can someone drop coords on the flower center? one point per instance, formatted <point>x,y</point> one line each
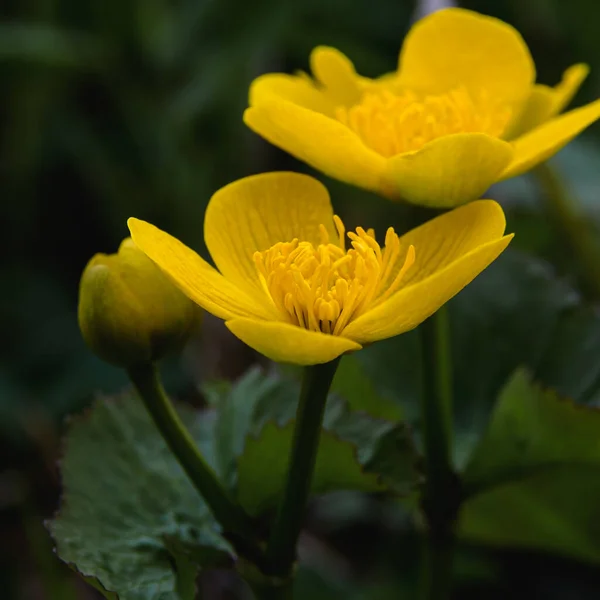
<point>323,288</point>
<point>393,124</point>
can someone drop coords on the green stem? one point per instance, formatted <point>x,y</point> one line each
<point>229,514</point>
<point>265,587</point>
<point>281,551</point>
<point>436,576</point>
<point>274,591</point>
<point>440,497</point>
<point>436,403</point>
<point>576,234</point>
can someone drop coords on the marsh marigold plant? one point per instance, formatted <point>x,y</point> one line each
<point>295,286</point>
<point>461,112</point>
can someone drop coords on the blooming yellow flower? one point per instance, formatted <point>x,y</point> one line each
<point>290,286</point>
<point>461,112</point>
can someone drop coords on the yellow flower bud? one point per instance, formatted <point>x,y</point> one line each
<point>129,312</point>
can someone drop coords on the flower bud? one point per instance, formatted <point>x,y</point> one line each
<point>129,312</point>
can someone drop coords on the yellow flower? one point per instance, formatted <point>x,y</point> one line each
<point>461,112</point>
<point>290,286</point>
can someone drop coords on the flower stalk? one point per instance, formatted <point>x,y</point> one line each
<point>436,406</point>
<point>227,512</point>
<point>436,569</point>
<point>281,550</point>
<point>440,498</point>
<point>572,227</point>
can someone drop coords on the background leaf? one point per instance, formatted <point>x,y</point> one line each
<point>128,510</point>
<point>263,466</point>
<point>254,429</point>
<point>533,430</point>
<point>553,510</point>
<point>534,479</point>
<point>352,383</point>
<point>49,46</point>
<point>515,313</point>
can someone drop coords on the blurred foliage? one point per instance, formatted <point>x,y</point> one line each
<point>111,109</point>
<point>535,460</point>
<point>126,519</point>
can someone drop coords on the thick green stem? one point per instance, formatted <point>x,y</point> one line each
<point>436,404</point>
<point>274,590</point>
<point>281,551</point>
<point>570,224</point>
<point>265,587</point>
<point>440,498</point>
<point>229,514</point>
<point>436,571</point>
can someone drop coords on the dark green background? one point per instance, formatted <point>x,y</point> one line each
<point>111,109</point>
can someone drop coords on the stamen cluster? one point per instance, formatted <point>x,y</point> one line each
<point>392,124</point>
<point>323,288</point>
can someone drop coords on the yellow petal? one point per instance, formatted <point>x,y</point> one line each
<point>293,88</point>
<point>195,277</point>
<point>571,81</point>
<point>257,212</point>
<point>547,139</point>
<point>448,171</point>
<point>336,73</point>
<point>323,143</point>
<point>412,305</point>
<point>451,250</point>
<point>442,240</point>
<point>546,102</point>
<point>538,109</point>
<point>456,47</point>
<point>283,342</point>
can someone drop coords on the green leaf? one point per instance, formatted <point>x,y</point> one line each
<point>129,516</point>
<point>242,410</point>
<point>97,586</point>
<point>570,362</point>
<point>253,433</point>
<point>531,430</point>
<point>352,383</point>
<point>501,321</point>
<point>508,316</point>
<point>357,452</point>
<point>263,466</point>
<point>393,367</point>
<point>555,510</point>
<point>383,447</point>
<point>534,479</point>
